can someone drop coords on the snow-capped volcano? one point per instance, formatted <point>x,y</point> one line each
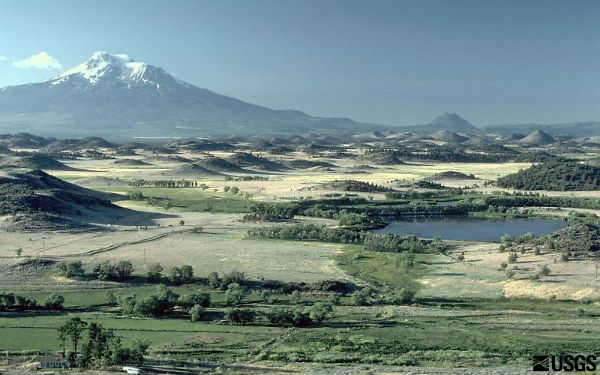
<point>113,94</point>
<point>104,67</point>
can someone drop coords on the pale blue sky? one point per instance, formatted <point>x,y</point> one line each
<point>391,62</point>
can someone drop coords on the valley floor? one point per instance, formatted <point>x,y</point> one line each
<point>468,316</point>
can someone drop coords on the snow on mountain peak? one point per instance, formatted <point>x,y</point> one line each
<point>104,65</point>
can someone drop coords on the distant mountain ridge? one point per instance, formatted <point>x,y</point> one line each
<point>577,129</point>
<point>114,95</point>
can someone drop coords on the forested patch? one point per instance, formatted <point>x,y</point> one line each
<point>554,175</point>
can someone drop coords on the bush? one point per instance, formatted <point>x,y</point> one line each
<point>266,296</point>
<point>544,271</point>
<point>234,277</point>
<point>401,297</point>
<point>362,297</point>
<point>189,300</point>
<point>512,258</point>
<point>320,311</point>
<point>295,297</point>
<point>196,313</point>
<point>299,316</point>
<point>71,269</point>
<point>181,275</point>
<point>155,271</point>
<point>213,280</point>
<point>54,302</point>
<point>124,269</point>
<point>111,298</point>
<point>234,294</point>
<point>240,315</point>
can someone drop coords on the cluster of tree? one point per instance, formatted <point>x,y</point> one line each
<point>11,302</point>
<point>167,183</point>
<point>71,269</point>
<point>367,296</point>
<point>107,271</point>
<point>161,302</point>
<point>246,178</point>
<point>554,175</point>
<point>354,185</point>
<point>351,219</point>
<point>181,275</point>
<point>272,211</point>
<point>123,270</point>
<point>100,347</point>
<point>234,277</point>
<point>231,189</point>
<point>425,184</point>
<point>300,316</point>
<point>485,153</point>
<point>240,315</point>
<point>396,243</point>
<point>537,200</point>
<point>372,242</point>
<point>413,194</point>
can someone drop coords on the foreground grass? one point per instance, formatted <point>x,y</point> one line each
<point>392,269</point>
<point>434,332</point>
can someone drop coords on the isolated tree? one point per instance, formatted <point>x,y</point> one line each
<point>72,329</point>
<point>196,313</point>
<point>213,280</point>
<point>295,297</point>
<point>234,294</point>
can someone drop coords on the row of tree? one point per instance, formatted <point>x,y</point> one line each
<point>371,241</point>
<point>12,302</point>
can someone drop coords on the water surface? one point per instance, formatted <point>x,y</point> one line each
<point>470,228</point>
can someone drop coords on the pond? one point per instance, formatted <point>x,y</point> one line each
<point>470,228</point>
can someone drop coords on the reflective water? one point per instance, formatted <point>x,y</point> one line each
<point>471,228</point>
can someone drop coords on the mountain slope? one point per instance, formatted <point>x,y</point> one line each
<point>114,95</point>
<point>537,137</point>
<point>448,121</point>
